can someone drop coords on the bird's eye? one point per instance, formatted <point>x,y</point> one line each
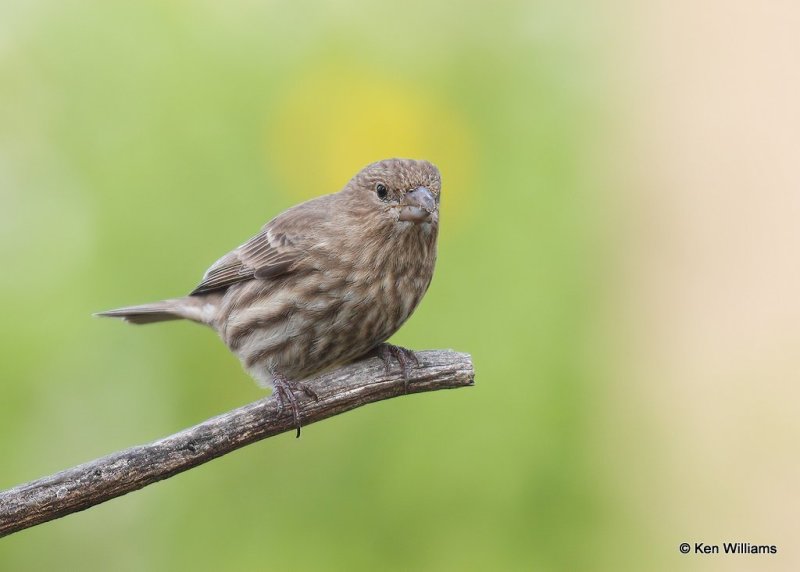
<point>382,191</point>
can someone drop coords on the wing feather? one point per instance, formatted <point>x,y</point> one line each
<point>279,249</point>
<point>262,257</point>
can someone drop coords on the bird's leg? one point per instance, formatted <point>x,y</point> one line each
<point>285,393</point>
<point>403,356</point>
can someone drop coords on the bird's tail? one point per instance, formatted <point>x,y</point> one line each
<point>194,308</point>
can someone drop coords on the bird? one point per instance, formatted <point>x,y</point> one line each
<point>324,283</point>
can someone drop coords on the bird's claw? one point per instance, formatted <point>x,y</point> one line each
<point>285,393</point>
<point>403,356</point>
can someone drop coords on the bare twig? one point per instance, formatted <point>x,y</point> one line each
<point>100,480</point>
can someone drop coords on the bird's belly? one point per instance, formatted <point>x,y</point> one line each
<point>298,333</point>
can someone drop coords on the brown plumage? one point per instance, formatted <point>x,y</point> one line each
<point>323,283</point>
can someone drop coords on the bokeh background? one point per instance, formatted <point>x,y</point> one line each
<point>618,252</point>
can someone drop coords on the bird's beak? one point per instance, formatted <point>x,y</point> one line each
<point>417,206</point>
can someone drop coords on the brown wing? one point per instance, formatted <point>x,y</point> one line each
<point>263,256</point>
<point>277,250</point>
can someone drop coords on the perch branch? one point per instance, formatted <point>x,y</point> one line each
<point>103,479</point>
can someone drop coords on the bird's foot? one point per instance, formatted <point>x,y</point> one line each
<point>403,356</point>
<point>285,394</point>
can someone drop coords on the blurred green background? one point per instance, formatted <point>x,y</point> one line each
<point>139,141</point>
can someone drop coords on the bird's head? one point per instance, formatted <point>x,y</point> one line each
<point>404,192</point>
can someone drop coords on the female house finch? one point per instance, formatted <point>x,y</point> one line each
<point>323,283</point>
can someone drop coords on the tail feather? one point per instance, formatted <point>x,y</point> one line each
<point>191,308</point>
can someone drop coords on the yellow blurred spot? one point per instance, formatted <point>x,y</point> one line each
<point>332,123</point>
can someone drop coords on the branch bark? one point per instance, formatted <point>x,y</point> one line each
<point>117,474</point>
